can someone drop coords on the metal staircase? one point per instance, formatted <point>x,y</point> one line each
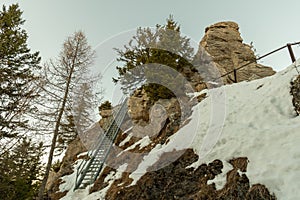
<point>89,170</point>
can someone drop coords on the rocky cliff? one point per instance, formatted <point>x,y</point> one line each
<point>223,42</point>
<point>177,181</point>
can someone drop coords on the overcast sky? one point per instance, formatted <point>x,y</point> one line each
<point>268,24</point>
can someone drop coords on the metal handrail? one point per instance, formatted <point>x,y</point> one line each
<point>85,165</point>
<point>96,145</point>
<point>288,45</point>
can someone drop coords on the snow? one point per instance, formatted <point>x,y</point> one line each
<point>69,184</point>
<point>83,194</point>
<point>254,119</point>
<point>82,154</point>
<point>260,124</point>
<point>148,160</point>
<point>127,139</point>
<point>143,142</point>
<point>110,179</point>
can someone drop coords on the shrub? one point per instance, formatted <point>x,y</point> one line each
<point>105,106</point>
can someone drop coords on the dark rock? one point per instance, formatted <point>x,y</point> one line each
<point>240,163</point>
<point>237,186</point>
<point>295,92</point>
<point>175,181</point>
<point>259,192</point>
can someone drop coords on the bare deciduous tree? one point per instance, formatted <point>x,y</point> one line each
<point>62,80</point>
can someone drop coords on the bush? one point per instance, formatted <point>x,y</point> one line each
<point>105,106</point>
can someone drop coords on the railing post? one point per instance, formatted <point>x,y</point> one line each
<point>289,46</point>
<point>235,75</point>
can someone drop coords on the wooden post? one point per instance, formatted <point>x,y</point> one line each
<point>289,46</point>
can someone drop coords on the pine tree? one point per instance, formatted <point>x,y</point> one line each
<point>20,170</point>
<point>147,52</point>
<point>67,132</point>
<point>106,105</point>
<point>18,67</point>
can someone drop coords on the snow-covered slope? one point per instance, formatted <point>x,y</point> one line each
<point>261,124</point>
<point>253,119</point>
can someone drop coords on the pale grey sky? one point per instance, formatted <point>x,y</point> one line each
<point>269,24</point>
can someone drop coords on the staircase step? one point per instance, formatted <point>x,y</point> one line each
<point>90,172</point>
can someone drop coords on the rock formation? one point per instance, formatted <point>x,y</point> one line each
<point>139,106</point>
<point>105,118</point>
<point>295,92</point>
<point>75,147</point>
<point>223,42</point>
<point>176,181</point>
<point>227,51</point>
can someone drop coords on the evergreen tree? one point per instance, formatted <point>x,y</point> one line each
<point>106,105</point>
<point>18,67</point>
<point>147,51</point>
<point>20,170</point>
<point>67,133</point>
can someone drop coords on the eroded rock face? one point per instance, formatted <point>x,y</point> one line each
<point>75,147</point>
<point>139,105</point>
<point>105,118</point>
<point>295,92</point>
<point>224,44</point>
<point>105,113</point>
<point>176,181</point>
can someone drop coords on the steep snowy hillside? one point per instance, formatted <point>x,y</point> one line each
<point>261,124</point>
<point>250,119</point>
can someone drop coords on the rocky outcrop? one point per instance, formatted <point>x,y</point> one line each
<point>176,181</point>
<point>295,92</point>
<point>139,106</point>
<point>223,42</point>
<point>227,51</point>
<point>75,147</point>
<point>105,118</point>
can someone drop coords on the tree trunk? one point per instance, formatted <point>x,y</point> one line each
<point>56,130</point>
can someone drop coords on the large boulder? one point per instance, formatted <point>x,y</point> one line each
<point>223,42</point>
<point>138,106</point>
<point>106,116</point>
